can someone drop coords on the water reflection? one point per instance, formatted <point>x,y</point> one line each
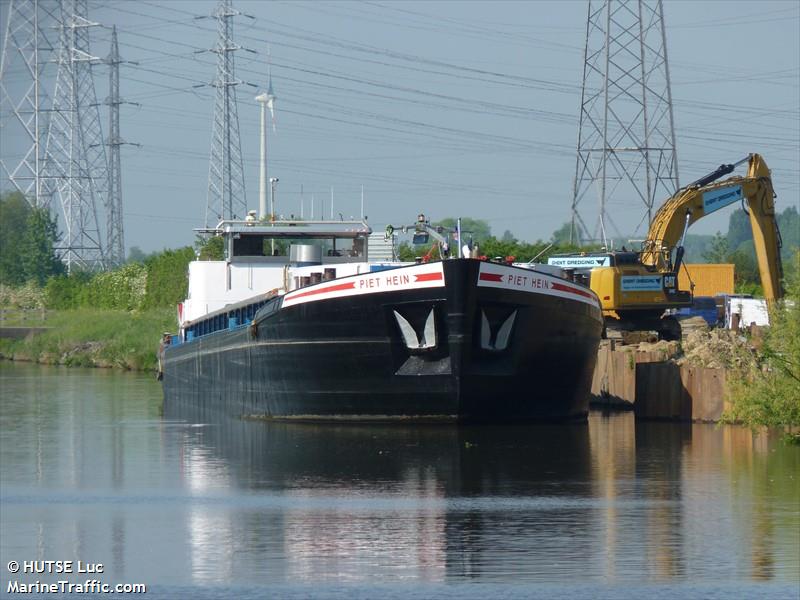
<point>90,470</point>
<point>427,502</point>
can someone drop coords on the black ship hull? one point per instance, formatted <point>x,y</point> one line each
<point>458,340</point>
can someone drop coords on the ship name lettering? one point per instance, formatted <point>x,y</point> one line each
<point>518,280</point>
<point>540,283</point>
<point>369,283</point>
<point>397,280</point>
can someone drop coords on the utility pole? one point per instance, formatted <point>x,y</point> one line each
<point>273,182</point>
<point>74,157</point>
<point>27,50</point>
<point>115,236</point>
<point>226,191</point>
<point>626,138</point>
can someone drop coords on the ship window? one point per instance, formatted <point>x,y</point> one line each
<point>248,245</point>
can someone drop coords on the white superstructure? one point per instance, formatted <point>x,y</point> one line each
<point>272,259</point>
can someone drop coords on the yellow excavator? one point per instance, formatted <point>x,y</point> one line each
<point>635,288</point>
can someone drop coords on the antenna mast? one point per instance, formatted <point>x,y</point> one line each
<point>626,139</point>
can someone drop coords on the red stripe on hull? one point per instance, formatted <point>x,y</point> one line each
<point>428,277</point>
<point>565,288</point>
<point>350,285</point>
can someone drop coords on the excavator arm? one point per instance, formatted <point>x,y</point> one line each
<point>705,196</point>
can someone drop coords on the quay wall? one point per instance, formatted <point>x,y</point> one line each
<point>655,387</point>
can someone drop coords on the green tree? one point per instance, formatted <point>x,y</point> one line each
<point>38,257</point>
<point>65,292</point>
<point>167,280</point>
<point>14,211</point>
<point>565,236</point>
<point>135,254</point>
<point>477,228</point>
<point>695,246</point>
<point>718,250</point>
<point>746,274</point>
<point>789,224</point>
<point>739,229</point>
<point>212,248</point>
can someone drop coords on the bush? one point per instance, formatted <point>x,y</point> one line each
<point>28,296</point>
<point>769,397</point>
<point>167,281</point>
<point>120,289</point>
<point>160,282</point>
<point>67,291</point>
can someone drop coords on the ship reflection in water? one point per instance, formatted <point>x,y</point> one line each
<point>188,503</point>
<point>369,502</point>
<point>611,502</point>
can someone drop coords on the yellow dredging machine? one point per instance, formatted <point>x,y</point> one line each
<point>636,288</point>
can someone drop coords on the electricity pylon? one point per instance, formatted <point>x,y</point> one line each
<point>115,235</point>
<point>27,50</point>
<point>75,164</point>
<point>626,139</point>
<point>226,191</point>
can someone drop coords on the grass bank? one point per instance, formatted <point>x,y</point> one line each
<point>95,338</point>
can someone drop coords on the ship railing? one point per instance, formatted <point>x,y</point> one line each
<point>228,223</point>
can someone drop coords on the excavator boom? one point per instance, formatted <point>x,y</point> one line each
<point>706,196</point>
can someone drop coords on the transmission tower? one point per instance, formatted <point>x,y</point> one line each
<point>27,49</point>
<point>115,236</point>
<point>626,139</point>
<point>75,157</point>
<point>226,193</point>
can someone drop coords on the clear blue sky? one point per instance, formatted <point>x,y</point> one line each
<point>386,95</point>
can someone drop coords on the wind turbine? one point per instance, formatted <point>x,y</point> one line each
<point>267,100</point>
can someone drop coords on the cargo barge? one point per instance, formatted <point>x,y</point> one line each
<point>298,323</point>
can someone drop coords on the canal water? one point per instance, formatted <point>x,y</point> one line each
<point>91,470</point>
